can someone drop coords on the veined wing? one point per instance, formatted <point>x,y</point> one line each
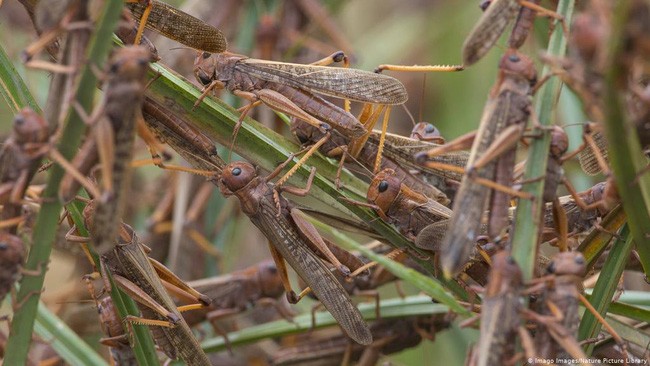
<point>313,271</point>
<point>338,82</point>
<point>488,29</point>
<point>403,149</point>
<point>180,26</point>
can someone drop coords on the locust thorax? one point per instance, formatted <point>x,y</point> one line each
<point>559,142</point>
<point>236,176</point>
<point>29,127</point>
<point>568,263</point>
<point>384,189</point>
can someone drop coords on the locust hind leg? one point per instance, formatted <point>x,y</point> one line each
<point>282,272</point>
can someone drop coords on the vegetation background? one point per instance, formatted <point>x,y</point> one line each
<point>379,32</point>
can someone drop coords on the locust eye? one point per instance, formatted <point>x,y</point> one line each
<point>429,128</point>
<point>514,58</point>
<point>580,260</point>
<point>204,79</point>
<point>206,55</point>
<point>238,175</point>
<point>383,186</point>
<point>115,67</point>
<point>3,246</point>
<point>19,120</point>
<point>302,138</point>
<point>551,268</point>
<point>511,260</point>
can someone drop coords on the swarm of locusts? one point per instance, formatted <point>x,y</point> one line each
<point>150,190</point>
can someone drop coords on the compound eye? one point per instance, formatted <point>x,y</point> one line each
<point>514,58</point>
<point>551,268</point>
<point>383,186</point>
<point>236,172</point>
<point>204,79</point>
<point>429,129</point>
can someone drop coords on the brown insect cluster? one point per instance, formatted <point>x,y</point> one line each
<point>187,211</point>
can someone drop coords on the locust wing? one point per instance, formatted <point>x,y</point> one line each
<point>338,82</point>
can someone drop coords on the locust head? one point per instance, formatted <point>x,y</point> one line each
<point>568,263</point>
<point>425,131</point>
<point>559,142</point>
<point>205,68</point>
<point>129,63</point>
<point>236,176</point>
<point>384,189</point>
<point>30,127</point>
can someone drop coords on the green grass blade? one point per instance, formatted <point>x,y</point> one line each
<point>428,285</point>
<point>596,242</point>
<point>529,214</point>
<point>629,333</point>
<point>629,311</point>
<point>13,87</point>
<point>601,296</point>
<point>64,340</point>
<point>393,308</point>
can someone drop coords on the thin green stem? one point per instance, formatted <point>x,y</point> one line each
<point>529,212</point>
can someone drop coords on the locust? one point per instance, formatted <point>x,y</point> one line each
<point>292,238</point>
<point>406,152</point>
<point>145,280</point>
<point>111,323</point>
<point>238,291</point>
<point>111,141</point>
<point>185,139</point>
<point>493,23</point>
<point>523,24</point>
<point>392,336</point>
<point>20,157</point>
<point>500,319</point>
<point>12,255</point>
<point>137,275</point>
<point>561,296</point>
<point>292,88</point>
<point>503,121</point>
<point>408,210</point>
